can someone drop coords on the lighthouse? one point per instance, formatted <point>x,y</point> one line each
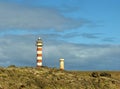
<point>61,64</point>
<point>39,45</point>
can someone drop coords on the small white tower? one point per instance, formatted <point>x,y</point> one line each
<point>39,45</point>
<point>62,64</point>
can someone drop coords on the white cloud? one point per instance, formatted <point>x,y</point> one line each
<point>22,17</point>
<point>16,51</point>
<point>21,50</point>
<point>91,56</point>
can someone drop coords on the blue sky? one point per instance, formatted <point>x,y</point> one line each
<point>83,32</point>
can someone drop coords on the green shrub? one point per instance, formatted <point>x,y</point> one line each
<point>104,74</point>
<point>11,66</point>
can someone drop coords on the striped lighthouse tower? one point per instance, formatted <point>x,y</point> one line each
<point>39,45</point>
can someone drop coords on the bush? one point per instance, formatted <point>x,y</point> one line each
<point>11,66</point>
<point>104,74</point>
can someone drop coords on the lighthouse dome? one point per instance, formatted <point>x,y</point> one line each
<point>39,42</point>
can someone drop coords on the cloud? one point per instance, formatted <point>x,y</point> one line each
<point>21,51</point>
<point>85,57</point>
<point>84,35</point>
<point>13,16</point>
<point>90,35</point>
<point>108,39</point>
<point>18,51</point>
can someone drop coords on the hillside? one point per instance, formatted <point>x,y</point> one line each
<point>52,78</point>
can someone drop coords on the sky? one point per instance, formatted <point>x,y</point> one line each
<point>86,33</point>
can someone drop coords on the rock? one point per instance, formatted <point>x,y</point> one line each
<point>94,74</point>
<point>104,74</point>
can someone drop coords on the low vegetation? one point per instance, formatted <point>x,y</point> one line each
<point>52,78</point>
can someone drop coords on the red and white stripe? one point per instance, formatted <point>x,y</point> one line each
<point>39,52</point>
<point>39,56</point>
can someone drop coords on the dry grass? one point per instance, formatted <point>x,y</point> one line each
<point>52,78</point>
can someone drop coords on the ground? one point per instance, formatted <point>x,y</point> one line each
<point>52,78</point>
